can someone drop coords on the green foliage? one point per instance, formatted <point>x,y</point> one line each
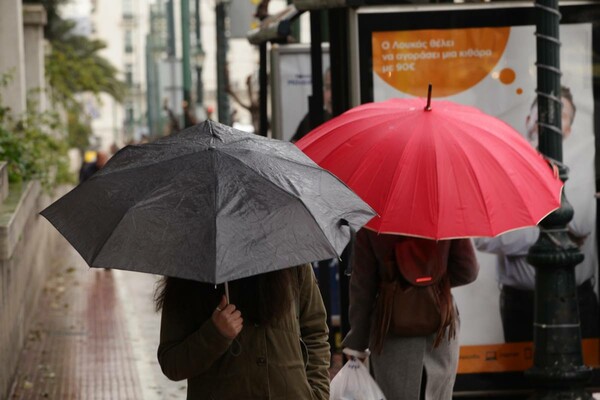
<point>32,147</point>
<point>78,131</point>
<point>75,66</point>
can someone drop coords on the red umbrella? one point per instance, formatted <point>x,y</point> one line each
<point>439,172</point>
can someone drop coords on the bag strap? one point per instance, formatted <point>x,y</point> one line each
<point>297,301</point>
<point>303,348</point>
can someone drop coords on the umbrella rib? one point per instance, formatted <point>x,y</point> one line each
<point>479,185</point>
<point>375,143</point>
<point>100,248</point>
<point>101,173</point>
<point>331,133</point>
<point>518,154</point>
<point>514,145</point>
<point>396,172</point>
<point>287,193</point>
<point>311,164</point>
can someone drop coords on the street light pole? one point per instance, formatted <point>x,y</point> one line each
<point>222,97</point>
<point>558,370</point>
<point>185,61</point>
<point>199,59</point>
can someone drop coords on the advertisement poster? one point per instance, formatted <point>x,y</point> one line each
<point>291,85</point>
<point>491,65</point>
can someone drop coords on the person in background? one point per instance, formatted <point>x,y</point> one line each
<point>305,126</point>
<point>113,149</point>
<point>406,367</point>
<point>251,348</point>
<point>517,277</point>
<point>89,169</point>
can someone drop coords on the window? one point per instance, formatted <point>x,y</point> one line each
<point>129,114</point>
<point>128,41</point>
<point>127,8</point>
<point>129,74</point>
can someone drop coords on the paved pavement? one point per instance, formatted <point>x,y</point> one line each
<point>94,336</point>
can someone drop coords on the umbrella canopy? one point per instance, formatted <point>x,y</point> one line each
<point>449,172</point>
<point>211,204</point>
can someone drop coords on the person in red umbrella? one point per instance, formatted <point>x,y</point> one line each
<point>427,169</point>
<point>407,367</point>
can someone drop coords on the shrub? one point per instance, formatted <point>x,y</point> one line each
<point>33,147</point>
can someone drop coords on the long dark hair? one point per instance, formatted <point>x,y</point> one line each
<point>260,298</point>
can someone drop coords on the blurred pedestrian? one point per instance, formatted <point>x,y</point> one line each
<point>174,125</point>
<point>89,169</point>
<point>252,105</point>
<point>305,124</point>
<point>188,114</point>
<point>408,365</point>
<point>251,348</point>
<point>113,149</point>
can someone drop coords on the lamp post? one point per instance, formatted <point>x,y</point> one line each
<point>558,371</point>
<point>222,45</point>
<point>199,56</point>
<point>185,60</point>
<point>199,59</point>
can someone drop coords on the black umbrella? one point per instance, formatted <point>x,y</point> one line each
<point>211,204</point>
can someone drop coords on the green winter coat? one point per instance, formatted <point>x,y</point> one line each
<point>264,362</point>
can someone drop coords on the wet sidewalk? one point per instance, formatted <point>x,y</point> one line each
<point>94,336</point>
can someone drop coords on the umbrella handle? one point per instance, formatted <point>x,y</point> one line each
<point>227,291</point>
<point>428,106</point>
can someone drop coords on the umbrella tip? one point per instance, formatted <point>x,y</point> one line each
<point>428,106</point>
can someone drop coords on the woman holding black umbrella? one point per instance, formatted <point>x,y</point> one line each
<point>269,343</point>
<point>215,205</point>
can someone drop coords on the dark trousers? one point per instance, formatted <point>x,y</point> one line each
<point>516,311</point>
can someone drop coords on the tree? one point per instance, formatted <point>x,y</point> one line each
<point>73,67</point>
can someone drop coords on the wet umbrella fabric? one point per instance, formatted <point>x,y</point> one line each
<point>211,204</point>
<point>447,173</point>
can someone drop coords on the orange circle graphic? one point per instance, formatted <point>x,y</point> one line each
<point>452,60</point>
<point>519,91</point>
<point>507,76</point>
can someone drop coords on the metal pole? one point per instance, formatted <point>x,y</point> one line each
<point>340,102</point>
<point>185,60</point>
<point>200,50</point>
<point>558,371</point>
<point>315,102</point>
<point>222,98</point>
<point>262,87</point>
<point>171,29</point>
<point>339,56</point>
<point>171,55</point>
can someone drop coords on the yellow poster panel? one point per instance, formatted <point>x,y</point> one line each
<point>513,357</point>
<point>452,60</point>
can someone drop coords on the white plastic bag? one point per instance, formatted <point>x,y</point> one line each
<point>354,382</point>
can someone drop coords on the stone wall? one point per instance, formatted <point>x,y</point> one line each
<point>28,243</point>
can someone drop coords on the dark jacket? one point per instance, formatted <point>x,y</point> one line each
<point>265,362</point>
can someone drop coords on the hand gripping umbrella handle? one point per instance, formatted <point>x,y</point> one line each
<point>236,347</point>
